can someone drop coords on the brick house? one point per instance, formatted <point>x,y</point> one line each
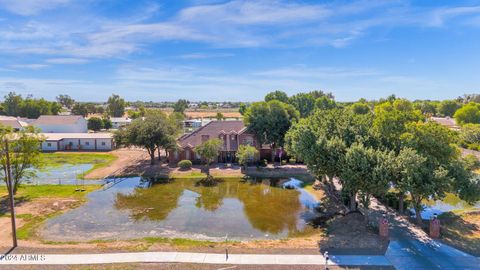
<point>232,133</point>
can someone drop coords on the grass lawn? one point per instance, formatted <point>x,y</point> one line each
<point>462,230</point>
<point>99,160</point>
<point>27,194</point>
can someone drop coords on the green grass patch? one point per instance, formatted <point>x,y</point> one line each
<point>180,242</point>
<point>29,192</point>
<point>27,231</point>
<point>99,160</point>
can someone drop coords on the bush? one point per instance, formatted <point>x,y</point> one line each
<point>185,164</point>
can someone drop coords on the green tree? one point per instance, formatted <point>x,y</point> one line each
<point>180,106</point>
<point>270,121</point>
<point>360,108</point>
<point>325,103</point>
<point>391,120</point>
<point>470,136</point>
<point>220,116</point>
<point>208,151</point>
<point>448,107</point>
<point>304,103</point>
<point>468,114</point>
<point>426,173</point>
<point>107,123</point>
<point>247,154</point>
<point>426,107</point>
<point>150,133</point>
<point>277,95</point>
<point>24,153</point>
<point>242,108</point>
<point>95,123</point>
<point>65,100</point>
<point>80,109</point>
<point>12,104</point>
<point>364,174</point>
<point>116,106</point>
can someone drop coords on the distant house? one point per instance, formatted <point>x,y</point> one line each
<point>118,122</point>
<point>15,123</point>
<point>232,133</point>
<point>77,142</point>
<point>61,124</point>
<point>446,121</point>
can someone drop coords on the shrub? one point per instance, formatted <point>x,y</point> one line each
<point>185,164</point>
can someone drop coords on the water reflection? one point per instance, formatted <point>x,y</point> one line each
<point>134,208</point>
<point>451,202</point>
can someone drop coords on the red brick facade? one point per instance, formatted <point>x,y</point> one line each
<point>232,133</point>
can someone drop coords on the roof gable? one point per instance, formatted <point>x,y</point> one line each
<point>57,120</point>
<point>213,130</point>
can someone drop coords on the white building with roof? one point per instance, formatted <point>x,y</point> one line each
<point>13,122</point>
<point>77,142</point>
<point>118,122</point>
<point>61,124</point>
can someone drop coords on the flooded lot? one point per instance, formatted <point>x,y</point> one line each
<point>133,208</point>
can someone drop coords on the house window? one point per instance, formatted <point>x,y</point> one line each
<point>49,144</point>
<point>87,143</point>
<point>249,140</point>
<point>103,143</point>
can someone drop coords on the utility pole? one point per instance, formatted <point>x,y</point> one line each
<point>10,187</point>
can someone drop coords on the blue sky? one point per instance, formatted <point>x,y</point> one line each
<point>239,50</point>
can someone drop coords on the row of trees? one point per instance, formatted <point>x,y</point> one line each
<point>371,152</point>
<point>16,105</point>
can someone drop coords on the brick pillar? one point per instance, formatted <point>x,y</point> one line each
<point>383,227</point>
<point>435,227</point>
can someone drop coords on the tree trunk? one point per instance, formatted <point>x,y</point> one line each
<point>152,156</point>
<point>159,155</point>
<point>401,200</point>
<point>418,216</point>
<point>273,153</point>
<point>353,201</point>
<point>207,169</point>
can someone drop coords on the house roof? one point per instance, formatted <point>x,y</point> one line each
<point>446,121</point>
<point>120,119</point>
<point>57,120</point>
<point>12,122</point>
<point>61,136</point>
<point>213,129</point>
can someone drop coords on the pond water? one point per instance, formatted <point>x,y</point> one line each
<point>66,174</point>
<point>451,202</point>
<point>132,208</point>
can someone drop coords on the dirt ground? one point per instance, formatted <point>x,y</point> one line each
<point>462,231</point>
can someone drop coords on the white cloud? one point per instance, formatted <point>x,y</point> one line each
<point>205,55</point>
<point>29,66</point>
<point>67,61</point>
<point>233,24</point>
<point>31,7</point>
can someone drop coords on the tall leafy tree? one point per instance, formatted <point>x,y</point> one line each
<point>65,100</point>
<point>24,153</point>
<point>116,106</point>
<point>12,104</point>
<point>277,95</point>
<point>270,121</point>
<point>304,103</point>
<point>180,106</point>
<point>208,151</point>
<point>80,109</point>
<point>448,107</point>
<point>95,123</point>
<point>468,114</point>
<point>325,103</point>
